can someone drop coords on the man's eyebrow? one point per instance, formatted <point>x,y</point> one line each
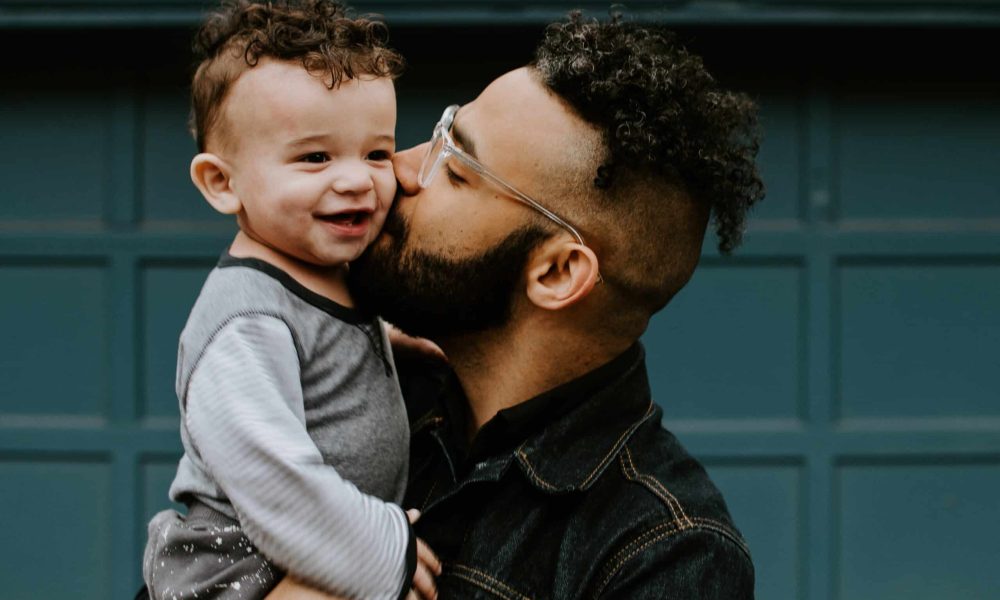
<point>463,141</point>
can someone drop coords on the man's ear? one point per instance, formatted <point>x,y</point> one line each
<point>212,176</point>
<point>561,274</point>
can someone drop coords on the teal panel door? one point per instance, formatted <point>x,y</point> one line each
<point>838,376</point>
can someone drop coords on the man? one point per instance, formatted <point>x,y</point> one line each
<point>532,239</point>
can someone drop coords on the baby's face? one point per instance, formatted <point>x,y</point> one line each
<point>311,166</point>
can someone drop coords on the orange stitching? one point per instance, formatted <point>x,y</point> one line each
<point>483,585</point>
<point>503,590</point>
<point>632,555</point>
<point>615,447</point>
<point>632,473</point>
<point>531,471</point>
<point>723,530</point>
<point>671,528</point>
<point>654,486</point>
<point>600,465</point>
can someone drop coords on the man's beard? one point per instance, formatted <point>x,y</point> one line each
<point>427,295</point>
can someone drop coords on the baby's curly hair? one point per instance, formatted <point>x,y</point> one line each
<point>321,34</point>
<point>660,112</point>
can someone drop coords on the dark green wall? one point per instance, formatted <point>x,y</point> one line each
<point>838,375</point>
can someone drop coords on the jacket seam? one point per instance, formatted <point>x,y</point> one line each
<point>617,446</point>
<point>490,584</point>
<point>628,553</point>
<point>534,476</point>
<point>656,534</point>
<point>601,465</point>
<point>724,531</point>
<point>676,508</point>
<point>652,484</point>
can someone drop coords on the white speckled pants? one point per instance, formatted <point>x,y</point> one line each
<point>204,555</point>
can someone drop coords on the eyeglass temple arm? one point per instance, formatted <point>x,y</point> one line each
<point>475,166</point>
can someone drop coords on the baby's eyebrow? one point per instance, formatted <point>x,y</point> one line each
<point>322,137</point>
<point>309,139</point>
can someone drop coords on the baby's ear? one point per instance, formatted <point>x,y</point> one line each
<point>211,175</point>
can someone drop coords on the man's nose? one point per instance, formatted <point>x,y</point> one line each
<point>407,167</point>
<point>353,179</point>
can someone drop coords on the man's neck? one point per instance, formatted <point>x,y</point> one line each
<point>502,368</point>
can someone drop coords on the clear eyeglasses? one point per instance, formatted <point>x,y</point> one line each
<point>442,146</point>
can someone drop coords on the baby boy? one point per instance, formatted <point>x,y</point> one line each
<point>294,432</point>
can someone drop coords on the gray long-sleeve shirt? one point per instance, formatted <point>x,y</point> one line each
<point>293,423</point>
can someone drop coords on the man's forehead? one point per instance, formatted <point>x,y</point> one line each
<point>516,118</point>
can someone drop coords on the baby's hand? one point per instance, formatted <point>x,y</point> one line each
<point>428,567</point>
<point>409,345</point>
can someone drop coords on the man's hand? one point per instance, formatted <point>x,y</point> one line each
<point>428,567</point>
<point>424,588</point>
<point>290,589</point>
<point>403,344</point>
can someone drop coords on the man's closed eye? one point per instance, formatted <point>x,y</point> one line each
<point>454,177</point>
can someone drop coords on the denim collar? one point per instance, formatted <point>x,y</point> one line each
<point>568,435</point>
<point>572,452</point>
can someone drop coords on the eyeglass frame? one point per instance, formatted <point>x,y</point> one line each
<point>448,147</point>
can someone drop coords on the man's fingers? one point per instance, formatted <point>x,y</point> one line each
<point>423,582</point>
<point>290,589</point>
<point>428,567</point>
<point>406,344</point>
<point>426,556</point>
<point>413,514</point>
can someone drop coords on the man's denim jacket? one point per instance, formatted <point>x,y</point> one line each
<point>598,501</point>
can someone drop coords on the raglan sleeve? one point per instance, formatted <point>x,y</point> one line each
<point>245,417</point>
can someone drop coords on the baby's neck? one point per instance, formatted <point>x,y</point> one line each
<point>327,281</point>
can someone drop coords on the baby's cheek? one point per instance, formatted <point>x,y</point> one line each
<point>387,185</point>
<point>385,192</point>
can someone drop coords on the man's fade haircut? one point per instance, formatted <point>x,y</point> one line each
<point>322,35</point>
<point>667,127</point>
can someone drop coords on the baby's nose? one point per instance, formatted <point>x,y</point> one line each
<point>353,179</point>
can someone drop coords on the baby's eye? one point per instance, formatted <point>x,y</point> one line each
<point>379,155</point>
<point>315,157</point>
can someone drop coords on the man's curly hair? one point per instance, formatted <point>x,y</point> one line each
<point>322,35</point>
<point>660,112</point>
